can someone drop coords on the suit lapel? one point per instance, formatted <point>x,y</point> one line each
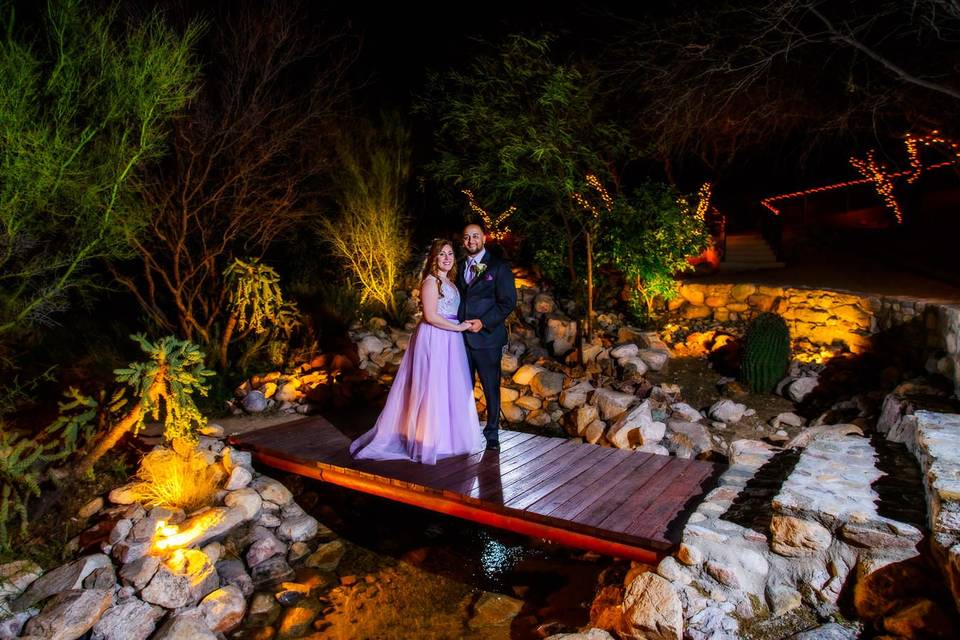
<point>485,260</point>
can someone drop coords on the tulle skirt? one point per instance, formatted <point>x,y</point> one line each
<point>430,411</point>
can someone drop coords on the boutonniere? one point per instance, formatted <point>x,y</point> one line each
<point>478,269</point>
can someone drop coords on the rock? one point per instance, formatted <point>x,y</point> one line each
<point>683,411</point>
<point>102,578</point>
<point>922,619</point>
<point>120,530</point>
<point>295,621</point>
<point>512,412</point>
<point>727,410</point>
<point>16,576</point>
<point>214,551</point>
<point>509,363</point>
<point>234,572</point>
<point>544,303</point>
<point>579,419</point>
<point>561,334</point>
<point>272,490</point>
<point>63,578</point>
<point>215,522</point>
<point>530,403</point>
<point>629,350</point>
<point>239,478</point>
<point>538,418</point>
<point>612,404</point>
<point>297,551</point>
<point>370,345</point>
<point>183,579</point>
<point>128,550</point>
<point>690,438</point>
<point>590,634</point>
<point>223,609</point>
<point>594,431</point>
<point>264,610</point>
<point>246,500</point>
<point>271,571</point>
<point>11,626</point>
<point>655,359</point>
<point>576,395</point>
<point>90,508</point>
<point>831,631</point>
<point>132,619</point>
<point>70,614</point>
<point>254,402</point>
<point>789,419</point>
<point>751,453</point>
<point>234,458</point>
<point>655,449</point>
<point>782,599</point>
<point>508,394</point>
<point>526,373</point>
<point>690,555</point>
<point>124,494</point>
<point>651,610</point>
<point>633,367</point>
<point>636,427</point>
<point>298,529</point>
<point>494,610</point>
<point>186,626</point>
<point>810,434</point>
<point>547,384</point>
<point>801,387</point>
<point>794,537</point>
<point>266,547</point>
<point>139,572</point>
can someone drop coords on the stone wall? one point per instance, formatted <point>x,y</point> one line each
<point>820,320</point>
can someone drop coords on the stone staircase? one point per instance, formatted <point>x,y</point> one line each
<point>748,252</point>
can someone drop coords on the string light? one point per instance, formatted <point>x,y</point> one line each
<point>594,182</point>
<point>496,229</point>
<point>882,180</point>
<point>913,142</point>
<point>703,205</point>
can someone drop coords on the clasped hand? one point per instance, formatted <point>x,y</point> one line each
<point>471,325</point>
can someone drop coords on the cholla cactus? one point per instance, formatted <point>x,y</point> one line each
<point>162,384</point>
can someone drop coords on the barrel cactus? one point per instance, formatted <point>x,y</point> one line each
<point>766,354</point>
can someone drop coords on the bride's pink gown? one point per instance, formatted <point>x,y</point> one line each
<point>430,412</point>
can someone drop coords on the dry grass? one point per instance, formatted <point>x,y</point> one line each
<point>177,479</point>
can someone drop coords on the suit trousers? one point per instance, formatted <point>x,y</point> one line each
<point>485,363</point>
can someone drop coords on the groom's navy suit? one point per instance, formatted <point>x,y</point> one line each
<point>489,297</point>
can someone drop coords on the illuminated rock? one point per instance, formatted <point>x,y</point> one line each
<point>547,384</point>
<point>272,490</point>
<point>183,579</point>
<point>327,556</point>
<point>66,577</point>
<point>70,614</point>
<point>239,478</point>
<point>651,610</point>
<point>298,529</point>
<point>132,619</point>
<point>612,404</point>
<point>247,501</point>
<point>223,609</point>
<point>139,572</point>
<point>187,626</point>
<point>526,373</point>
<point>576,395</point>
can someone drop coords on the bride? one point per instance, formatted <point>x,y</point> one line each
<point>430,411</point>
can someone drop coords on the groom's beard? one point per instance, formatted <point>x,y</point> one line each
<point>471,254</point>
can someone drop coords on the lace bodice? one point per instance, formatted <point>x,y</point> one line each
<point>449,304</point>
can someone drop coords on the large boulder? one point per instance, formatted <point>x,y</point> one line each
<point>64,578</point>
<point>132,619</point>
<point>651,610</point>
<point>612,404</point>
<point>70,614</point>
<point>636,428</point>
<point>547,384</point>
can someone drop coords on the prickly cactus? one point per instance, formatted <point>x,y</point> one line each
<point>766,353</point>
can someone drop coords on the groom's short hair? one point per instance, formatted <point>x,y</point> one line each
<point>483,229</point>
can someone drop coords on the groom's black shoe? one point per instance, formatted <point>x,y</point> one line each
<point>493,445</point>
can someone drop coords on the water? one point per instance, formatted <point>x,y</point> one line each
<point>425,575</point>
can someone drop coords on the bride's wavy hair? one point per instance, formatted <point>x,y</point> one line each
<point>430,267</point>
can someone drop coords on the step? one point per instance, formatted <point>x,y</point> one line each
<point>749,257</point>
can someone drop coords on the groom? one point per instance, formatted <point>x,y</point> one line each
<point>487,293</point>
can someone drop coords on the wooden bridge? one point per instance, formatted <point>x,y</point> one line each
<point>617,502</point>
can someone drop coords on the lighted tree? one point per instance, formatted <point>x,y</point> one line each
<point>162,386</point>
<point>248,165</point>
<point>256,307</point>
<point>371,233</point>
<point>517,125</point>
<point>84,108</point>
<point>648,236</point>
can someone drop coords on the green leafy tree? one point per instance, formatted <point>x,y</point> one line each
<point>371,234</point>
<point>162,385</point>
<point>84,107</point>
<point>648,235</point>
<point>519,126</point>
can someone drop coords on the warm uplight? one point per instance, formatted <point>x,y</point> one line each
<point>496,229</point>
<point>172,537</point>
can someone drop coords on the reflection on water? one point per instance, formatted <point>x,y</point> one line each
<point>434,576</point>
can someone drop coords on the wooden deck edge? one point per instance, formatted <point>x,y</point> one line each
<point>456,508</point>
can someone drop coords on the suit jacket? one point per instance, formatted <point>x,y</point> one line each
<point>490,297</point>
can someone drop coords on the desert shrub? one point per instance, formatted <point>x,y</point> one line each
<point>177,478</point>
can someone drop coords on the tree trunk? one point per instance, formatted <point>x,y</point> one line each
<point>125,424</point>
<point>225,341</point>
<point>589,321</point>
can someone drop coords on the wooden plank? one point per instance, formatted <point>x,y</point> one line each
<point>613,496</point>
<point>648,485</point>
<point>465,485</point>
<point>524,493</point>
<point>561,494</point>
<point>491,489</point>
<point>445,473</point>
<point>599,491</point>
<point>488,460</point>
<point>655,519</point>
